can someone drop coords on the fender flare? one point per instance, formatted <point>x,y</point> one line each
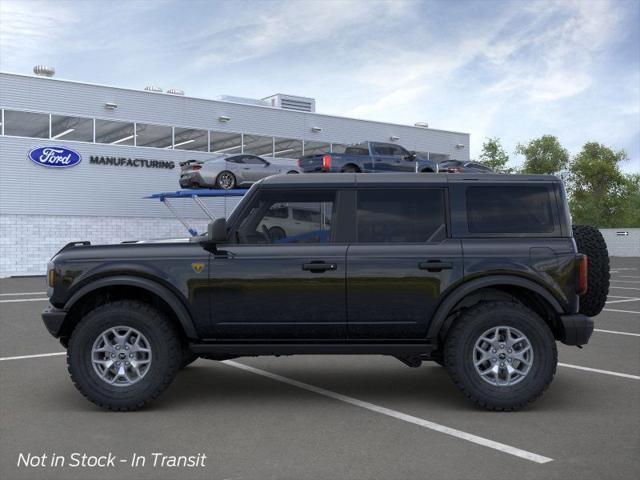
<point>174,302</point>
<point>452,299</point>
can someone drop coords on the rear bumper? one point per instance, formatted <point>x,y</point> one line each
<point>192,179</point>
<point>576,329</point>
<point>53,319</point>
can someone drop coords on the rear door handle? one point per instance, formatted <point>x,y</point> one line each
<point>435,266</point>
<point>318,266</point>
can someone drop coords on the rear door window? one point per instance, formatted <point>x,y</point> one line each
<point>509,209</point>
<point>401,216</point>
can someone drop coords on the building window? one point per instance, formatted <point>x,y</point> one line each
<point>191,139</point>
<point>115,133</point>
<point>156,136</point>
<point>71,128</point>
<point>258,145</point>
<point>230,143</point>
<point>316,148</point>
<point>26,124</point>
<point>287,148</point>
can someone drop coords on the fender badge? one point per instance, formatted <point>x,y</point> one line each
<point>197,267</point>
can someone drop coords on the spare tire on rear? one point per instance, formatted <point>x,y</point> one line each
<point>590,242</point>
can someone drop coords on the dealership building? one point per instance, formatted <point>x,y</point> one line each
<point>127,144</point>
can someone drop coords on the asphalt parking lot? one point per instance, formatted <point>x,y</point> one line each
<point>325,417</point>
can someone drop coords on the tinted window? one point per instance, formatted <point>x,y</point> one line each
<point>358,149</point>
<point>71,128</point>
<point>157,136</point>
<point>26,124</point>
<point>115,133</point>
<point>514,209</point>
<point>250,159</point>
<point>400,216</point>
<point>267,220</point>
<point>397,151</point>
<point>239,159</point>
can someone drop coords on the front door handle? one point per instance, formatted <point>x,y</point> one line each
<point>318,266</point>
<point>435,266</point>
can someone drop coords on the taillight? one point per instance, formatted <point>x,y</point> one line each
<point>196,167</point>
<point>326,161</point>
<point>299,162</point>
<point>583,271</point>
<point>454,169</point>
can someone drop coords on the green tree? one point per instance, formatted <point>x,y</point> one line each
<point>494,156</point>
<point>600,194</point>
<point>543,155</point>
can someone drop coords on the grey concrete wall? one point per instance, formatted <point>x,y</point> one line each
<point>622,242</point>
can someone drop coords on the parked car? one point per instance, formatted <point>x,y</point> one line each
<point>461,166</point>
<point>285,223</point>
<point>479,273</point>
<point>231,171</point>
<point>369,157</point>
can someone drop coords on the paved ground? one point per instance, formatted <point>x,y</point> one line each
<point>324,417</point>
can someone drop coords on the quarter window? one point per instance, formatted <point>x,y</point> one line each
<point>269,221</point>
<point>509,209</point>
<point>400,216</point>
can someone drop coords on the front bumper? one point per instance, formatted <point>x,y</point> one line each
<point>53,319</point>
<point>576,329</point>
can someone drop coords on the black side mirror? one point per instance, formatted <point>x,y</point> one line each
<point>217,231</point>
<point>411,156</point>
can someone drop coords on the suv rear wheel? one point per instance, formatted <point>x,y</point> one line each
<point>501,355</point>
<point>123,354</point>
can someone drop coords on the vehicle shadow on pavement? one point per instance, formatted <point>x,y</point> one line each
<point>204,384</point>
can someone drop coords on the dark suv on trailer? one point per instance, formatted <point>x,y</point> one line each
<point>479,273</point>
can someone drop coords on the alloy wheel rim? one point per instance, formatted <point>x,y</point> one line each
<point>121,356</point>
<point>226,181</point>
<point>502,356</point>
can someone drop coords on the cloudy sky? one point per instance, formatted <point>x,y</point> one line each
<point>511,69</point>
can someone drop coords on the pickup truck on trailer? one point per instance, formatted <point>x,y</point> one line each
<point>480,273</point>
<point>368,157</point>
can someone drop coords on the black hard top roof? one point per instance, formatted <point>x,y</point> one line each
<point>382,179</point>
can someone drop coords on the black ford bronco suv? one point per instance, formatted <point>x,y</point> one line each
<point>480,273</point>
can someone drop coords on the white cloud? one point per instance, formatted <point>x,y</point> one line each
<point>30,29</point>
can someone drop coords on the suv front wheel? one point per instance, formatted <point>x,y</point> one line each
<point>501,355</point>
<point>124,354</point>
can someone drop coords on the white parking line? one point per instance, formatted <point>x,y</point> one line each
<point>628,276</point>
<point>596,370</point>
<point>21,293</point>
<point>619,311</point>
<point>622,301</point>
<point>625,281</point>
<point>623,288</point>
<point>485,442</point>
<point>24,300</point>
<point>39,355</point>
<point>616,332</point>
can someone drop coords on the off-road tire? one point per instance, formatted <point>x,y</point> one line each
<point>460,343</point>
<point>166,348</point>
<point>590,242</point>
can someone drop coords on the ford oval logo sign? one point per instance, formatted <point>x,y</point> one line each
<point>55,157</point>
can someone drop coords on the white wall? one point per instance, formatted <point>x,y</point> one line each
<point>622,245</point>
